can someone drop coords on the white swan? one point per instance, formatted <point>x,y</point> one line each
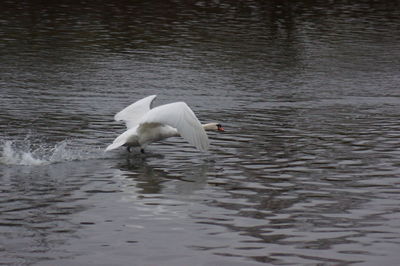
<point>146,125</point>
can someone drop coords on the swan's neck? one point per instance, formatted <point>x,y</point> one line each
<point>209,126</point>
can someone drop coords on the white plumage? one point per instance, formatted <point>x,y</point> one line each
<point>146,125</point>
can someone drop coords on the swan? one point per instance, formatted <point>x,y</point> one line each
<point>146,125</point>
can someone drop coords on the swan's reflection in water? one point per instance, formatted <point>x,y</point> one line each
<point>150,176</point>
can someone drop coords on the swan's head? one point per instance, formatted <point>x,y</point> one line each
<point>213,126</point>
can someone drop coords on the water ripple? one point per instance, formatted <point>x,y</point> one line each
<point>306,172</point>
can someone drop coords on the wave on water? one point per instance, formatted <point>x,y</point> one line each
<point>15,153</point>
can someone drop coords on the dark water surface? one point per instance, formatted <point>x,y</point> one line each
<point>307,172</point>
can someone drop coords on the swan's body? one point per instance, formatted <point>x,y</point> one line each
<point>146,125</point>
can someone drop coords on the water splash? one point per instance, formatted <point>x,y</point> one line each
<point>10,155</point>
<point>15,153</point>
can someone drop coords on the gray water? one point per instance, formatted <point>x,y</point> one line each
<point>306,173</point>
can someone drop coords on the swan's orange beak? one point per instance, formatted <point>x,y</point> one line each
<point>221,129</point>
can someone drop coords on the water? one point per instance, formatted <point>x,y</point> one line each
<point>305,174</point>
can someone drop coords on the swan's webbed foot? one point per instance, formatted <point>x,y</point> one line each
<point>142,150</point>
<point>128,149</point>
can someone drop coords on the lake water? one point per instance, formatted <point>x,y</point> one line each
<point>306,173</point>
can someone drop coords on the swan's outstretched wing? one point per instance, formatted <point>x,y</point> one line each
<point>132,114</point>
<point>180,116</point>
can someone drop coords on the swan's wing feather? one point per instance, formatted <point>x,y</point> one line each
<point>180,116</point>
<point>122,139</point>
<point>132,114</point>
<point>114,145</point>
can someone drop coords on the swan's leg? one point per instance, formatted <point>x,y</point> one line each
<point>142,150</point>
<point>128,149</point>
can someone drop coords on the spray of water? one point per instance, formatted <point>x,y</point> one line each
<point>13,153</point>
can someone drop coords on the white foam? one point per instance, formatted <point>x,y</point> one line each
<point>12,156</point>
<point>43,154</point>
